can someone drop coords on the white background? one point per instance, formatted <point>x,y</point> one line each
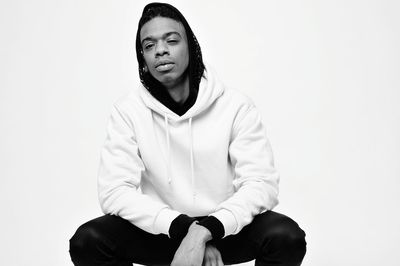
<point>324,74</point>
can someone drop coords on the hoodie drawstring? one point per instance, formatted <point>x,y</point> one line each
<point>191,155</point>
<point>169,150</point>
<point>192,159</point>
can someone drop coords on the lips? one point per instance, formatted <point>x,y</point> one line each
<point>163,62</point>
<point>164,65</point>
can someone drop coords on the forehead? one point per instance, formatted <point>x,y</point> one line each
<point>159,26</point>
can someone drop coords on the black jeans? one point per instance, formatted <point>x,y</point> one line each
<point>271,239</point>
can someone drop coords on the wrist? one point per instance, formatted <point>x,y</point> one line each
<point>180,226</point>
<point>200,232</point>
<point>214,226</point>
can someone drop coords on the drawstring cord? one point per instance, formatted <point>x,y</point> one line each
<point>169,150</point>
<point>191,155</point>
<point>192,159</point>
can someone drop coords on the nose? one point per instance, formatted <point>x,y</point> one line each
<point>161,48</point>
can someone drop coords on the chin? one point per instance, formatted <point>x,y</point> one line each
<point>167,79</point>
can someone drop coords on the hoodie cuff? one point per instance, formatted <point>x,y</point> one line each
<point>163,221</point>
<point>180,226</point>
<point>214,226</point>
<point>228,220</point>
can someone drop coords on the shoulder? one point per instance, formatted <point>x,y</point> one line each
<point>238,100</point>
<point>230,95</point>
<point>239,96</point>
<point>244,108</point>
<point>128,101</point>
<point>129,107</point>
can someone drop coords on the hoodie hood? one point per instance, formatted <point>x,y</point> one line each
<point>210,89</point>
<point>196,66</point>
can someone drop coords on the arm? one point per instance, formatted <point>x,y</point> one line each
<point>192,249</point>
<point>256,180</point>
<point>212,256</point>
<point>119,178</point>
<point>256,186</point>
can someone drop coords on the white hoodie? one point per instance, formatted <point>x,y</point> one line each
<point>213,160</point>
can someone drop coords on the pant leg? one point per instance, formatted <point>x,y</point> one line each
<point>110,241</point>
<point>271,239</point>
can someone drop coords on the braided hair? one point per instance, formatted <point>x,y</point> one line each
<point>196,66</point>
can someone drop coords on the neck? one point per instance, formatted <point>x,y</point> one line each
<point>180,92</point>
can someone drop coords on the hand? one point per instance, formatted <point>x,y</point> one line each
<point>212,256</point>
<point>192,248</point>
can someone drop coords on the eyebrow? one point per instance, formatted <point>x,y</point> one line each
<point>165,35</point>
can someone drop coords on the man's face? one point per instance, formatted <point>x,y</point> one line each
<point>165,50</point>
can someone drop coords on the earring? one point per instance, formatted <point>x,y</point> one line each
<point>145,69</point>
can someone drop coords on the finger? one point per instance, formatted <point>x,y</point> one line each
<point>206,262</point>
<point>218,257</point>
<point>219,261</point>
<point>215,254</point>
<point>206,258</point>
<point>213,262</point>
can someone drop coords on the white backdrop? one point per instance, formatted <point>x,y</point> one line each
<point>325,75</point>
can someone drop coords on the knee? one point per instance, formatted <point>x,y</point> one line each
<point>83,244</point>
<point>290,237</point>
<point>287,239</point>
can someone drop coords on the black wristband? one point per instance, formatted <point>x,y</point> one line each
<point>214,226</point>
<point>180,226</point>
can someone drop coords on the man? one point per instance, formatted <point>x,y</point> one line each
<point>199,153</point>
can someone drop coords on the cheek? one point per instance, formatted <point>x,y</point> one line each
<point>184,55</point>
<point>147,60</point>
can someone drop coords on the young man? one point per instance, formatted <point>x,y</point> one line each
<point>199,153</point>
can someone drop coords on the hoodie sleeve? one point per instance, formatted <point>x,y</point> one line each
<point>256,180</point>
<point>119,178</point>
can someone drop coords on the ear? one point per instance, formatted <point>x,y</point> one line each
<point>145,69</point>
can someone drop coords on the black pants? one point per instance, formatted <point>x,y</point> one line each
<point>271,239</point>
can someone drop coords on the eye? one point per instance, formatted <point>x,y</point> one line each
<point>148,46</point>
<point>172,41</point>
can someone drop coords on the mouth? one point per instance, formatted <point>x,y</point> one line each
<point>162,66</point>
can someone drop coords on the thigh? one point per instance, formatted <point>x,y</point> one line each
<point>250,242</point>
<point>128,242</point>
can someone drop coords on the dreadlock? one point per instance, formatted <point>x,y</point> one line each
<point>196,66</point>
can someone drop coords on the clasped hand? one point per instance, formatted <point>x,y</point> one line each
<point>194,250</point>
